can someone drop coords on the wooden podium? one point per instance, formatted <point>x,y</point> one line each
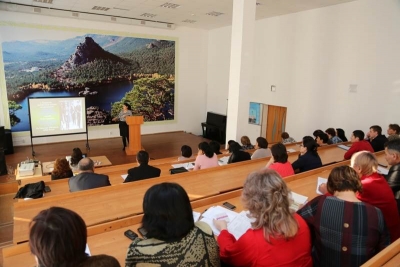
<point>135,140</point>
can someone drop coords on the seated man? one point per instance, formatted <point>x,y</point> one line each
<point>393,132</point>
<point>331,132</point>
<point>376,138</point>
<point>87,179</point>
<point>358,144</point>
<point>392,155</point>
<point>144,171</point>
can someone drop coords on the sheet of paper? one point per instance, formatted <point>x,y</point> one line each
<point>188,166</point>
<point>291,150</point>
<point>383,170</point>
<point>223,161</point>
<point>319,182</point>
<point>298,200</point>
<point>68,158</point>
<point>87,250</point>
<point>213,212</point>
<point>124,176</point>
<point>344,147</point>
<point>196,216</point>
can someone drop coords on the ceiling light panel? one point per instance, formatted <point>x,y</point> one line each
<point>100,8</point>
<point>43,1</point>
<point>148,15</point>
<point>170,5</point>
<point>214,14</point>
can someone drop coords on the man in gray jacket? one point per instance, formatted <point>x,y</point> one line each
<point>87,179</point>
<point>392,155</point>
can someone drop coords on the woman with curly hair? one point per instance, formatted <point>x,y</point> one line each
<point>278,235</point>
<point>61,169</point>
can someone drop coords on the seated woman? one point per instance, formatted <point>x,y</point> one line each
<point>75,158</point>
<point>277,237</point>
<point>206,158</point>
<point>286,139</point>
<point>237,153</point>
<point>322,139</point>
<point>309,158</point>
<point>186,153</point>
<point>262,150</point>
<point>340,133</point>
<point>332,136</point>
<point>346,231</point>
<point>376,191</point>
<point>61,170</point>
<point>57,237</point>
<point>278,162</point>
<point>246,144</point>
<point>215,147</point>
<point>173,239</point>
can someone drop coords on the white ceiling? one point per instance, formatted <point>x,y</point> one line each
<point>192,10</point>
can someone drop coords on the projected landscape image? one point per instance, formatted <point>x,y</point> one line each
<point>107,70</point>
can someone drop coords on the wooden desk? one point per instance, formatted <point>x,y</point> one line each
<point>99,161</point>
<point>36,177</point>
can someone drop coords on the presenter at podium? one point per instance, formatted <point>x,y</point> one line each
<point>123,127</point>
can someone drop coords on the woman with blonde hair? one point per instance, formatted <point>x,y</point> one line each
<point>61,169</point>
<point>277,237</point>
<point>376,190</point>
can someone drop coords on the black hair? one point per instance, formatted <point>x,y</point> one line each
<point>76,156</point>
<point>360,134</point>
<point>341,134</point>
<point>262,142</point>
<point>279,153</point>
<point>316,132</point>
<point>168,215</point>
<point>142,157</point>
<point>205,147</point>
<point>310,144</point>
<point>234,147</point>
<point>393,145</point>
<point>323,136</point>
<point>186,151</point>
<point>128,105</point>
<point>215,147</point>
<point>331,131</point>
<point>376,128</point>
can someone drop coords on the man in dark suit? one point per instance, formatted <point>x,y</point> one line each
<point>144,171</point>
<point>87,179</point>
<point>376,138</point>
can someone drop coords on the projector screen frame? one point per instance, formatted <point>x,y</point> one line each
<point>40,136</point>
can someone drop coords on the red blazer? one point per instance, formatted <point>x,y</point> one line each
<point>358,146</point>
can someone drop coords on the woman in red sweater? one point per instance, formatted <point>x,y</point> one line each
<point>278,236</point>
<point>376,190</point>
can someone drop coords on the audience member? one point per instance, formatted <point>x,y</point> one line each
<point>278,162</point>
<point>340,133</point>
<point>376,191</point>
<point>262,150</point>
<point>186,153</point>
<point>358,144</point>
<point>229,144</point>
<point>144,170</point>
<point>346,231</point>
<point>332,136</point>
<point>393,132</point>
<point>101,260</point>
<point>316,132</point>
<point>277,236</point>
<point>206,158</point>
<point>87,179</point>
<point>322,139</point>
<point>286,139</point>
<point>392,155</point>
<point>123,127</point>
<point>61,169</point>
<point>76,156</point>
<point>309,158</point>
<point>246,144</point>
<point>57,237</point>
<point>215,147</point>
<point>376,138</point>
<point>173,239</point>
<point>237,153</point>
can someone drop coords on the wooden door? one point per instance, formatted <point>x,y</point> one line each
<point>276,123</point>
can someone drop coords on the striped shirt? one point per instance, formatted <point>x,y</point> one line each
<point>344,233</point>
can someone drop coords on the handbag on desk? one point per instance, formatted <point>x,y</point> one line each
<point>178,170</point>
<point>34,190</point>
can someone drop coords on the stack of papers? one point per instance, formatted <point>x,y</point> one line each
<point>223,161</point>
<point>291,150</point>
<point>238,223</point>
<point>298,200</point>
<point>187,166</point>
<point>344,147</point>
<point>26,169</point>
<point>320,181</point>
<point>383,170</point>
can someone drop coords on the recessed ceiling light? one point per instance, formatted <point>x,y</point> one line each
<point>189,21</point>
<point>100,8</point>
<point>117,8</point>
<point>148,15</point>
<point>170,5</point>
<point>44,1</point>
<point>214,13</point>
